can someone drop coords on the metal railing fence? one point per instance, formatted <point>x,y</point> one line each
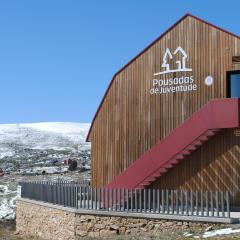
<point>176,202</point>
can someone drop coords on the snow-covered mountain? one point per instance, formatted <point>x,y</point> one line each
<point>36,142</point>
<point>52,135</point>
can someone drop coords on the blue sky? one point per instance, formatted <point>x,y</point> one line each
<point>58,57</point>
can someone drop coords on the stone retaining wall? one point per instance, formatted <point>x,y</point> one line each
<point>46,223</point>
<point>61,223</point>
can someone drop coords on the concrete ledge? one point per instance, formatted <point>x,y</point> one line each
<point>135,215</point>
<point>49,205</point>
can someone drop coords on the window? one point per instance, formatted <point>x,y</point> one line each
<point>233,84</point>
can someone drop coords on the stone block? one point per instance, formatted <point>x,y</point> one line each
<point>107,233</point>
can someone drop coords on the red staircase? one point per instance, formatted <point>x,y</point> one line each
<point>217,114</point>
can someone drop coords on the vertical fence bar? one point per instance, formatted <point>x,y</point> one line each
<point>99,198</point>
<point>163,203</point>
<point>187,203</point>
<point>106,200</point>
<point>149,199</point>
<point>92,198</point>
<point>60,192</point>
<point>207,205</point>
<point>80,195</point>
<point>84,197</point>
<point>136,200</point>
<point>181,197</point>
<point>197,205</point>
<point>103,198</point>
<point>167,201</point>
<point>127,200</point>
<point>227,202</point>
<point>63,193</point>
<point>158,201</point>
<point>69,196</point>
<point>144,200</point>
<point>191,197</point>
<point>87,192</point>
<point>202,209</point>
<point>154,201</point>
<point>217,204</point>
<point>123,199</point>
<point>172,201</point>
<point>222,205</point>
<point>53,194</point>
<point>140,197</point>
<point>119,199</point>
<point>72,195</point>
<point>131,195</point>
<point>95,198</point>
<point>114,200</point>
<point>212,207</point>
<point>58,195</point>
<point>75,196</point>
<point>177,202</point>
<point>110,199</point>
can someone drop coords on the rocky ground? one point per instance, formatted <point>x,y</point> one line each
<point>9,183</point>
<point>7,232</point>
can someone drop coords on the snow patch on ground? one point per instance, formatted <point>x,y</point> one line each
<point>5,152</point>
<point>187,234</point>
<point>49,170</point>
<point>7,209</point>
<point>7,204</point>
<point>220,232</point>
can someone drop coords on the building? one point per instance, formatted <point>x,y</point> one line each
<point>170,117</point>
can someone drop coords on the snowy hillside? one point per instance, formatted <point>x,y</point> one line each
<point>26,150</point>
<point>57,136</point>
<point>25,147</point>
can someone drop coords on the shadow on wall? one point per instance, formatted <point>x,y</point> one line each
<point>215,166</point>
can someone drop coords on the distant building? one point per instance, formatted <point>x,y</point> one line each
<point>67,161</point>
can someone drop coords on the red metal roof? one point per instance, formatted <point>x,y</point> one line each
<point>144,50</point>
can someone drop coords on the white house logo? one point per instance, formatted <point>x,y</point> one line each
<point>173,84</point>
<point>181,65</point>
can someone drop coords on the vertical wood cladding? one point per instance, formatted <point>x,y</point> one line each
<point>214,166</point>
<point>131,120</point>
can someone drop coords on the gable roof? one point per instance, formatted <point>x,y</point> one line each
<point>144,50</point>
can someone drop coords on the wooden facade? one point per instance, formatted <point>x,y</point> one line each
<point>130,120</point>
